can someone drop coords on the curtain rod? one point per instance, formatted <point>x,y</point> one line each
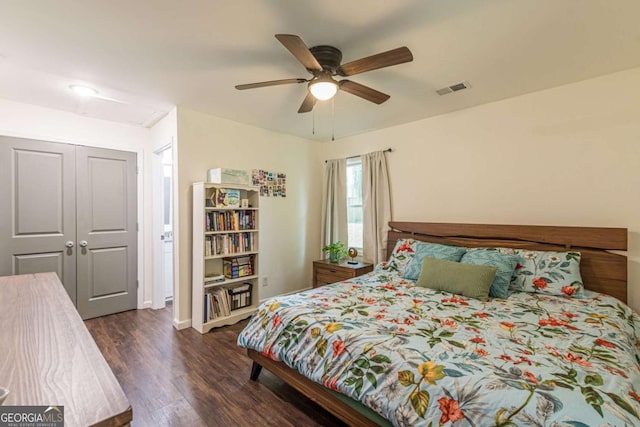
<point>388,150</point>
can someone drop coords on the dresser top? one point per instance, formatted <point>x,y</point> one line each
<point>49,357</point>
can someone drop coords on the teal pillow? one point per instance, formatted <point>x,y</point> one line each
<point>506,265</point>
<point>470,280</point>
<point>431,250</point>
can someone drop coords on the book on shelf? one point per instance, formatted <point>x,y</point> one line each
<point>220,302</point>
<point>230,220</point>
<point>214,305</point>
<point>229,244</point>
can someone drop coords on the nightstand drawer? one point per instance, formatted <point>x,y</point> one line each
<point>325,272</point>
<point>328,274</point>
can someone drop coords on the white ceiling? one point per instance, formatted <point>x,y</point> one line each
<point>152,54</point>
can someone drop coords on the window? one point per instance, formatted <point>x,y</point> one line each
<point>354,203</point>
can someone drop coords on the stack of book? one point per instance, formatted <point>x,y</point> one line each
<point>237,267</point>
<point>216,304</point>
<point>221,301</point>
<point>226,244</point>
<point>230,220</point>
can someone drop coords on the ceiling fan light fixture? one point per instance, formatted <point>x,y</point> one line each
<point>323,88</point>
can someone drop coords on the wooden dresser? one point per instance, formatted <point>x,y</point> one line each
<point>49,358</point>
<point>325,272</point>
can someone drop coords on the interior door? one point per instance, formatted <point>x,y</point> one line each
<point>106,231</point>
<point>38,209</point>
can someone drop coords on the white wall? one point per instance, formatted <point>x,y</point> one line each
<point>289,235</point>
<point>563,156</point>
<point>30,121</point>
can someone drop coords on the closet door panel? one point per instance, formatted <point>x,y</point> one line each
<point>37,209</point>
<point>107,231</point>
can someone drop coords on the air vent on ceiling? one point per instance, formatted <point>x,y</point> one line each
<point>453,88</point>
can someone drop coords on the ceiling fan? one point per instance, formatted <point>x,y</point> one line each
<point>323,63</point>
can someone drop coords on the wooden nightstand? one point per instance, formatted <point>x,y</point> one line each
<point>325,272</point>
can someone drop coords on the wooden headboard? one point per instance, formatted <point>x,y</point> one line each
<point>601,270</point>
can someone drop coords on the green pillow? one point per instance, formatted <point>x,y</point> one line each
<point>470,280</point>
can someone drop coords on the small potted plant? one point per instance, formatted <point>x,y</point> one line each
<point>336,251</point>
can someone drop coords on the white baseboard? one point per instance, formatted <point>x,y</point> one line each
<point>146,304</point>
<point>179,325</point>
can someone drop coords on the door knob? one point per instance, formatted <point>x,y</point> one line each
<point>83,243</point>
<point>69,244</point>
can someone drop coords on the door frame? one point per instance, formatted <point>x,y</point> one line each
<point>140,195</point>
<point>157,224</point>
<point>158,288</point>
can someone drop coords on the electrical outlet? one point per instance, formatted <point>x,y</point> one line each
<point>265,281</point>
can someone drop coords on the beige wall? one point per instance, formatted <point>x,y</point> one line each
<point>288,226</point>
<point>564,156</point>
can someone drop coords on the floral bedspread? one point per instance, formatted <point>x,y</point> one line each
<point>422,357</point>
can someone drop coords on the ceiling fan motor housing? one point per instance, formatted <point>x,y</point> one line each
<point>328,56</point>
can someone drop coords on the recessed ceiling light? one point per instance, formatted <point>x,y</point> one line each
<point>83,90</point>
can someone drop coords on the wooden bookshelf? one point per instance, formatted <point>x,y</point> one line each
<point>235,231</point>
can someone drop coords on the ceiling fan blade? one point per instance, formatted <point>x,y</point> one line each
<point>363,91</point>
<point>374,62</point>
<point>270,83</point>
<point>308,103</point>
<point>300,50</point>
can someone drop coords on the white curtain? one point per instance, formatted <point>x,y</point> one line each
<point>334,202</point>
<point>377,206</point>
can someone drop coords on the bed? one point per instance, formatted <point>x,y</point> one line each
<point>378,349</point>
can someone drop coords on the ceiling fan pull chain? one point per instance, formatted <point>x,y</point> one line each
<point>333,119</point>
<point>313,121</point>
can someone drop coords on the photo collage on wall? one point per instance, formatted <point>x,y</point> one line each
<point>272,184</point>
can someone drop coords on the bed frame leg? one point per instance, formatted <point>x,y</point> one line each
<point>255,371</point>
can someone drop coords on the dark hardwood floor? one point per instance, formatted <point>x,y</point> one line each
<point>182,378</point>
